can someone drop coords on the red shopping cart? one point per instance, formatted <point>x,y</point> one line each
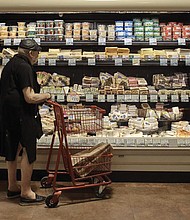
<point>87,167</point>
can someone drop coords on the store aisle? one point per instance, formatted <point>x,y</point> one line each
<point>128,201</point>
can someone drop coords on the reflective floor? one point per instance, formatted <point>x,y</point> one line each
<point>125,201</point>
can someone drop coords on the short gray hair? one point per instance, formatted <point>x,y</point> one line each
<point>23,51</point>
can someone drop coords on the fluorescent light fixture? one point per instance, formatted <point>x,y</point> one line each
<point>101,0</point>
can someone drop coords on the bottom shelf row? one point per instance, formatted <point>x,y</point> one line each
<point>125,142</point>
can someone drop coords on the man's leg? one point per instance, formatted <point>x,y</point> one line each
<point>12,173</point>
<point>26,174</point>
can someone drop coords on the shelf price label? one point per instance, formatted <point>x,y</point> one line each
<point>101,98</point>
<point>184,98</point>
<point>128,98</point>
<point>110,98</point>
<point>5,61</point>
<point>128,41</point>
<point>73,98</point>
<point>38,40</point>
<point>181,41</point>
<point>156,142</point>
<point>153,98</point>
<point>52,62</point>
<point>136,62</point>
<point>164,142</point>
<point>163,98</point>
<point>140,141</point>
<point>120,98</point>
<point>135,98</point>
<point>69,41</point>
<point>118,62</point>
<point>16,41</point>
<point>101,41</point>
<point>148,142</point>
<point>72,62</point>
<point>175,98</point>
<point>130,142</point>
<point>163,62</point>
<point>188,142</point>
<point>143,98</point>
<point>172,142</point>
<point>152,41</point>
<point>187,60</point>
<point>7,42</point>
<point>41,62</point>
<point>174,61</point>
<point>91,62</point>
<point>60,98</point>
<point>181,142</point>
<point>89,98</point>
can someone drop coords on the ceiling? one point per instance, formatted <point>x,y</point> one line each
<point>93,5</point>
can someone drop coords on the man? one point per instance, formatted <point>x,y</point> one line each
<point>20,120</point>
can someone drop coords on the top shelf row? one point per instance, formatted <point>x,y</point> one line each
<point>99,42</point>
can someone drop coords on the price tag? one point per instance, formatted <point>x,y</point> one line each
<point>164,142</point>
<point>174,61</point>
<point>143,98</point>
<point>38,40</point>
<point>136,62</point>
<point>148,142</point>
<point>41,62</point>
<point>60,98</point>
<point>16,41</point>
<point>73,98</point>
<point>156,142</point>
<point>118,62</point>
<point>130,142</point>
<point>91,62</point>
<point>128,98</point>
<point>128,41</point>
<point>163,98</point>
<point>69,41</point>
<point>188,142</point>
<point>140,141</point>
<point>120,98</point>
<point>152,41</point>
<point>153,98</point>
<point>101,98</point>
<point>110,98</point>
<point>184,98</point>
<point>172,142</point>
<point>187,60</point>
<point>175,98</point>
<point>101,41</point>
<point>181,41</point>
<point>135,98</point>
<point>72,62</point>
<point>120,141</point>
<point>181,142</point>
<point>74,141</point>
<point>163,62</point>
<point>5,61</point>
<point>7,42</point>
<point>52,62</point>
<point>89,97</point>
<point>112,141</point>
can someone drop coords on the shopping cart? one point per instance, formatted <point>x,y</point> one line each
<point>87,167</point>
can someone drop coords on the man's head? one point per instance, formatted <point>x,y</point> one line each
<point>29,48</point>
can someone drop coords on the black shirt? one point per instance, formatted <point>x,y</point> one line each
<point>19,118</point>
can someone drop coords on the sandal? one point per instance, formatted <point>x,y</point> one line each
<point>13,194</point>
<point>27,201</point>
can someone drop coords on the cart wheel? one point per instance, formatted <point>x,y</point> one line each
<point>100,192</point>
<point>45,183</point>
<point>51,201</point>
